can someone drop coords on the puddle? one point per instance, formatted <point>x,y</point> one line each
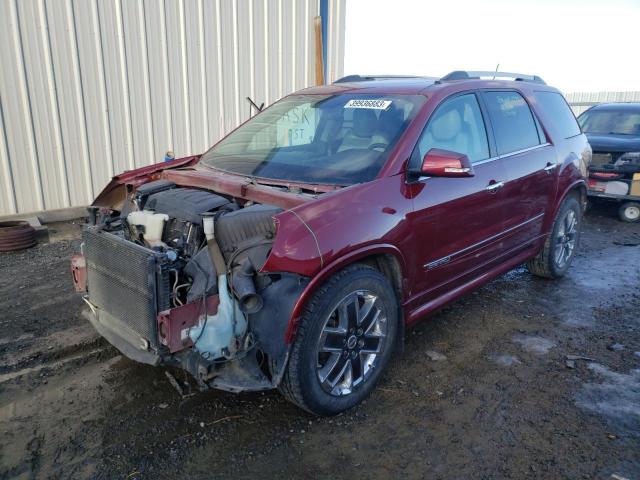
<point>617,397</point>
<point>534,344</point>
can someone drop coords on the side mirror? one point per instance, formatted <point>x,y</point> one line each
<point>444,163</point>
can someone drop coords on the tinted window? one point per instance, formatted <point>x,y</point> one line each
<point>457,125</point>
<point>557,109</point>
<point>512,120</point>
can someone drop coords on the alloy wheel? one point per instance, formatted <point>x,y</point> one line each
<point>352,339</point>
<point>566,238</point>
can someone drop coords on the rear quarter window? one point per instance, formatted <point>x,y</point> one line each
<point>559,112</point>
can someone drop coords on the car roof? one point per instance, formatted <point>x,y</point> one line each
<point>618,106</point>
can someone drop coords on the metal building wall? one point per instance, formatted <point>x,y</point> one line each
<point>89,88</point>
<point>580,101</point>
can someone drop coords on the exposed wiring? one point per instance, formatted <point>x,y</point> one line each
<point>174,294</point>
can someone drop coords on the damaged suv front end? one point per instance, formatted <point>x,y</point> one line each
<point>199,263</point>
<point>174,277</point>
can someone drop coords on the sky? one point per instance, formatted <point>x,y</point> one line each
<point>574,45</point>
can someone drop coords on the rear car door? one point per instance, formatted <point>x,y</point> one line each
<point>530,163</point>
<point>456,222</point>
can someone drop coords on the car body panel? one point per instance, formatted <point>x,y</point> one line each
<point>457,223</point>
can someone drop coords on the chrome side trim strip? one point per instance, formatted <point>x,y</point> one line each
<point>447,259</point>
<point>524,150</point>
<point>485,161</point>
<point>510,154</point>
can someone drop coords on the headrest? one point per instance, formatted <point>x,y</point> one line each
<point>447,126</point>
<point>364,122</point>
<point>391,120</point>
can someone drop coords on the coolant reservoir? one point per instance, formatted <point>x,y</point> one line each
<point>152,222</point>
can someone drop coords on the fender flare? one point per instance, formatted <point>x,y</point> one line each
<point>337,264</point>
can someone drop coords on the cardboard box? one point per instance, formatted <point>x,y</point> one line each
<point>635,185</point>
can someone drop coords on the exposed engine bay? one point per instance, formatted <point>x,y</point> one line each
<point>176,275</point>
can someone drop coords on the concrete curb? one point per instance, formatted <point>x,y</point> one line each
<point>49,216</point>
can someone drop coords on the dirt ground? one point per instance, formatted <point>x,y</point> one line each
<point>485,388</point>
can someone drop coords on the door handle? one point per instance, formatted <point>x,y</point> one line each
<point>494,187</point>
<point>550,167</point>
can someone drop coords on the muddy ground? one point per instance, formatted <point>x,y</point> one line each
<point>483,389</point>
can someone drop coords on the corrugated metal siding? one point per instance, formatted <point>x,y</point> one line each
<point>581,101</point>
<point>89,88</point>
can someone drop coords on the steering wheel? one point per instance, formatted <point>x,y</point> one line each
<point>373,146</point>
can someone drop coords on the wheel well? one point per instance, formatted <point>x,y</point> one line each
<point>389,266</point>
<point>581,192</point>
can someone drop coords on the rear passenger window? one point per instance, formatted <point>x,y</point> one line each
<point>556,108</point>
<point>513,123</point>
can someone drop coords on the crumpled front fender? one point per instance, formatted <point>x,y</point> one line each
<point>295,247</point>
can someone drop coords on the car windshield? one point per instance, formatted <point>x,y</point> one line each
<point>610,122</point>
<point>328,139</point>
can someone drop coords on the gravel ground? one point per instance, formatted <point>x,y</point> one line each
<point>524,378</point>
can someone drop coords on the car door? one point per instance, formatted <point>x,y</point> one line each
<point>456,222</point>
<point>529,162</point>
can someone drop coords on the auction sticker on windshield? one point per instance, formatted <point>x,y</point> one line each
<point>368,103</point>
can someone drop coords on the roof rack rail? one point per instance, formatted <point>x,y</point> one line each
<point>468,75</point>
<point>369,78</point>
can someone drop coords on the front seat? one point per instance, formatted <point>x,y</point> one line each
<point>391,123</point>
<point>446,133</point>
<point>362,133</point>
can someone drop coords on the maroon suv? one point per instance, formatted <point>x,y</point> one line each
<point>295,252</point>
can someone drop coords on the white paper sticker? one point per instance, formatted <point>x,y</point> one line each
<point>374,104</point>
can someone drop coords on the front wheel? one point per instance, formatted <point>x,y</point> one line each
<point>560,246</point>
<point>344,341</point>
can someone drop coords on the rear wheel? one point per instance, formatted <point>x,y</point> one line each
<point>344,341</point>
<point>560,246</point>
<point>629,212</point>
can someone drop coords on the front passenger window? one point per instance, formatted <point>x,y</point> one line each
<point>457,126</point>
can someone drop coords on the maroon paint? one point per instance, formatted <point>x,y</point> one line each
<point>172,322</point>
<point>443,163</point>
<point>466,232</point>
<point>79,272</point>
<point>236,186</point>
<point>142,175</point>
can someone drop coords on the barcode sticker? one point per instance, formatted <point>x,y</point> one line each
<point>368,103</point>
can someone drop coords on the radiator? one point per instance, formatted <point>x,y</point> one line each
<point>126,280</point>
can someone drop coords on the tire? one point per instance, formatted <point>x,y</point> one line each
<point>629,212</point>
<point>547,263</point>
<point>317,375</point>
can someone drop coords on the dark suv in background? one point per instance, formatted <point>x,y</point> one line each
<point>295,252</point>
